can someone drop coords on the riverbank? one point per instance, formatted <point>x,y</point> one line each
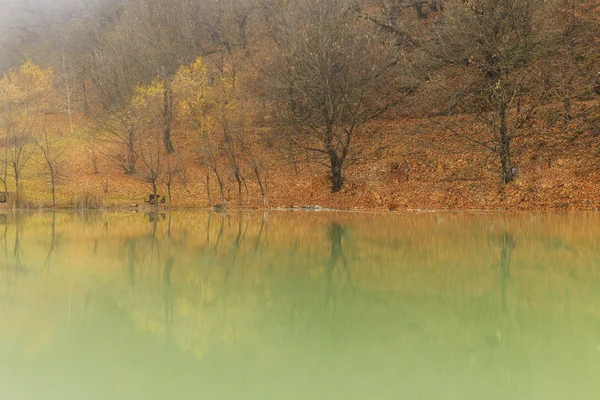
<point>415,166</point>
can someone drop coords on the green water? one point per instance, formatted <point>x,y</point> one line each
<point>299,306</point>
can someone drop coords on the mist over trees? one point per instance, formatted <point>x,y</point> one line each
<point>153,83</point>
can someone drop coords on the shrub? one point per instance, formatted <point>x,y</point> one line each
<point>19,202</point>
<point>87,201</point>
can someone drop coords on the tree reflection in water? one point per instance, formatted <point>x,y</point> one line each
<point>328,304</point>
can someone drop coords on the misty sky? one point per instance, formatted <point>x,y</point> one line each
<point>18,13</point>
<point>7,10</point>
<point>13,10</point>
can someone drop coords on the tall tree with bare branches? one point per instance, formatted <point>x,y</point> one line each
<point>329,75</point>
<point>488,52</point>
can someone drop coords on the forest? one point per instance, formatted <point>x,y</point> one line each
<point>348,104</point>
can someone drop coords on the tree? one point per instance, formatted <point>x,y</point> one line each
<point>151,157</point>
<point>195,110</point>
<point>574,63</point>
<point>25,97</point>
<point>54,149</point>
<point>168,34</point>
<point>62,62</point>
<point>67,90</point>
<point>258,164</point>
<point>397,17</point>
<point>487,53</point>
<point>116,75</point>
<point>228,113</point>
<point>328,76</point>
<point>235,117</point>
<point>172,169</point>
<point>146,104</point>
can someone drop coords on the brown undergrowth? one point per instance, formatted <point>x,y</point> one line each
<point>417,164</point>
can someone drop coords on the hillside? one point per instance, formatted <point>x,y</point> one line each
<point>418,166</point>
<point>348,105</point>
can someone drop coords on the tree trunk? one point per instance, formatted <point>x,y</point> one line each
<point>169,183</point>
<point>155,193</point>
<point>131,158</point>
<point>567,103</point>
<point>238,179</point>
<point>508,172</point>
<point>221,189</point>
<point>208,188</point>
<point>86,106</point>
<point>337,177</point>
<point>260,184</point>
<point>67,93</point>
<point>105,184</point>
<point>94,159</point>
<point>53,182</point>
<point>266,198</point>
<point>167,116</point>
<point>17,189</point>
<point>566,111</point>
<point>5,167</point>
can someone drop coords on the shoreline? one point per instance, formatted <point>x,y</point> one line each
<point>301,209</point>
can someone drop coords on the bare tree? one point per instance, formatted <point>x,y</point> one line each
<point>573,64</point>
<point>4,160</point>
<point>19,149</point>
<point>116,70</point>
<point>259,166</point>
<point>487,51</point>
<point>92,145</point>
<point>150,155</point>
<point>25,96</point>
<point>208,157</point>
<point>230,149</point>
<point>146,106</point>
<point>168,34</point>
<point>171,171</point>
<point>53,150</point>
<point>120,129</point>
<point>399,17</point>
<point>67,89</point>
<point>329,76</point>
<point>195,107</point>
<point>230,126</point>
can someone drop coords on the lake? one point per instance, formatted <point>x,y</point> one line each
<point>298,305</point>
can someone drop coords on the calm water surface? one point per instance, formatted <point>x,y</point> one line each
<point>299,306</point>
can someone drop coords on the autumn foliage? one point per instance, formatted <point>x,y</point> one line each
<point>446,104</point>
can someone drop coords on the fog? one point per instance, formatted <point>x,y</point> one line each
<point>16,16</point>
<point>14,12</point>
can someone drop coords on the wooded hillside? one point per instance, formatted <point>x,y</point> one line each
<point>346,104</point>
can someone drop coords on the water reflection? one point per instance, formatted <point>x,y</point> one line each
<point>507,244</point>
<point>295,306</point>
<point>52,241</point>
<point>337,257</point>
